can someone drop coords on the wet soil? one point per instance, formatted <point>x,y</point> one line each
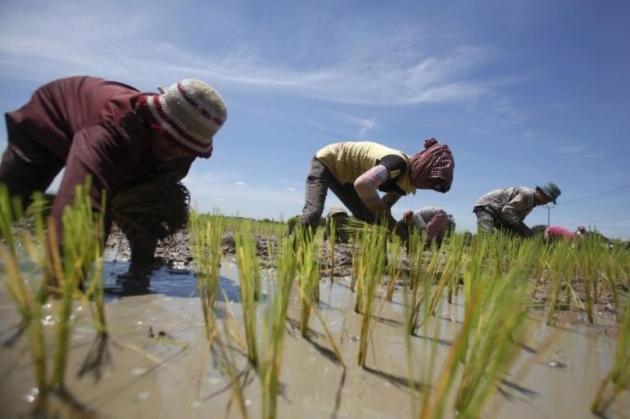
<point>162,368</point>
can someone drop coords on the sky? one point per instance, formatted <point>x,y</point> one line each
<point>523,92</point>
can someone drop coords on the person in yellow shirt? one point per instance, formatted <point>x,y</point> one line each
<point>357,171</point>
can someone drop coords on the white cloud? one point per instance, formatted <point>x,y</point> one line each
<point>45,45</point>
<point>571,148</point>
<point>240,183</point>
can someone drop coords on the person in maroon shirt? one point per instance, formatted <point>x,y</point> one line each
<point>112,132</point>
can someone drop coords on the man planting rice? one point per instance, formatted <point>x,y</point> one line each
<point>357,171</point>
<point>134,146</point>
<point>434,221</point>
<point>506,208</point>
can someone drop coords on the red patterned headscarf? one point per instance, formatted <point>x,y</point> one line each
<point>433,163</point>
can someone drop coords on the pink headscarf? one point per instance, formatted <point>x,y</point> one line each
<point>434,162</point>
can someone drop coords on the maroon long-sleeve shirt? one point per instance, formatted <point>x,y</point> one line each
<point>93,126</point>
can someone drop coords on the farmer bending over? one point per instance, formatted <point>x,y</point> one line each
<point>356,171</point>
<point>506,209</point>
<point>119,136</point>
<point>434,221</point>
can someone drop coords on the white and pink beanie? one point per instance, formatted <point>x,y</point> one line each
<point>191,112</point>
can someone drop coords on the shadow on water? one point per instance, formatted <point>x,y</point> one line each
<point>166,281</point>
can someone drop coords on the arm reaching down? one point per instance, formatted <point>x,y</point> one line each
<point>366,186</point>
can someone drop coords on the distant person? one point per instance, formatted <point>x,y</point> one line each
<point>357,171</point>
<point>338,217</point>
<point>434,221</point>
<point>506,209</point>
<point>555,233</point>
<point>114,133</point>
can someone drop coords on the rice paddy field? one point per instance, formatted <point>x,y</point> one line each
<point>243,320</point>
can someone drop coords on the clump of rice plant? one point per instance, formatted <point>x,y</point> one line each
<point>308,272</point>
<point>486,345</point>
<point>72,262</point>
<point>332,236</point>
<point>28,302</point>
<point>422,279</point>
<point>589,258</point>
<point>561,271</point>
<point>249,279</point>
<point>371,261</point>
<point>396,251</point>
<point>206,234</point>
<point>618,378</point>
<point>63,263</point>
<point>93,296</point>
<point>274,326</point>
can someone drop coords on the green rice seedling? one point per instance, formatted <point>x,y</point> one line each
<point>93,296</point>
<point>274,326</point>
<point>28,304</point>
<point>373,259</point>
<point>589,256</point>
<point>485,347</point>
<point>206,235</point>
<point>419,284</point>
<point>308,272</point>
<point>618,378</point>
<point>450,272</point>
<point>498,323</point>
<point>80,246</point>
<point>332,236</point>
<point>615,272</point>
<point>249,278</point>
<point>561,267</point>
<point>396,251</point>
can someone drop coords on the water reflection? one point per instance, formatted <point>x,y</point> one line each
<point>164,280</point>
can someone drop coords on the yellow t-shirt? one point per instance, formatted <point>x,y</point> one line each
<point>349,160</point>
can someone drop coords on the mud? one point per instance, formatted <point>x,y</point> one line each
<point>161,366</point>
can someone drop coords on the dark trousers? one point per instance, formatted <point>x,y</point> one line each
<point>318,181</point>
<point>27,167</point>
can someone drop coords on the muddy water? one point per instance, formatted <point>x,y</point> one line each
<point>161,366</point>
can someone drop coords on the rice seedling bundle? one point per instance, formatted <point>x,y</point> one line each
<point>249,279</point>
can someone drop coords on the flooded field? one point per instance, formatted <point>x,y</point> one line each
<point>161,365</point>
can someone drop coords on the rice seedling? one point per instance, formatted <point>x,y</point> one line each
<point>80,247</point>
<point>589,256</point>
<point>561,272</point>
<point>485,347</point>
<point>28,305</point>
<point>393,269</point>
<point>274,326</point>
<point>332,236</point>
<point>491,348</point>
<point>308,273</point>
<point>420,284</point>
<point>372,259</point>
<point>618,378</point>
<point>450,273</point>
<point>249,279</point>
<point>206,234</point>
<point>93,296</point>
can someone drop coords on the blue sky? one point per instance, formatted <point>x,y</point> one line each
<point>522,91</point>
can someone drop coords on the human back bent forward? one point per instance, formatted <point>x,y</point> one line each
<point>112,132</point>
<point>357,171</point>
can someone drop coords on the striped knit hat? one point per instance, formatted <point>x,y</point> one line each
<point>434,162</point>
<point>191,112</point>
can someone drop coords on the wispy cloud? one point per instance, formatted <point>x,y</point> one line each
<point>365,124</point>
<point>571,148</point>
<point>403,77</point>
